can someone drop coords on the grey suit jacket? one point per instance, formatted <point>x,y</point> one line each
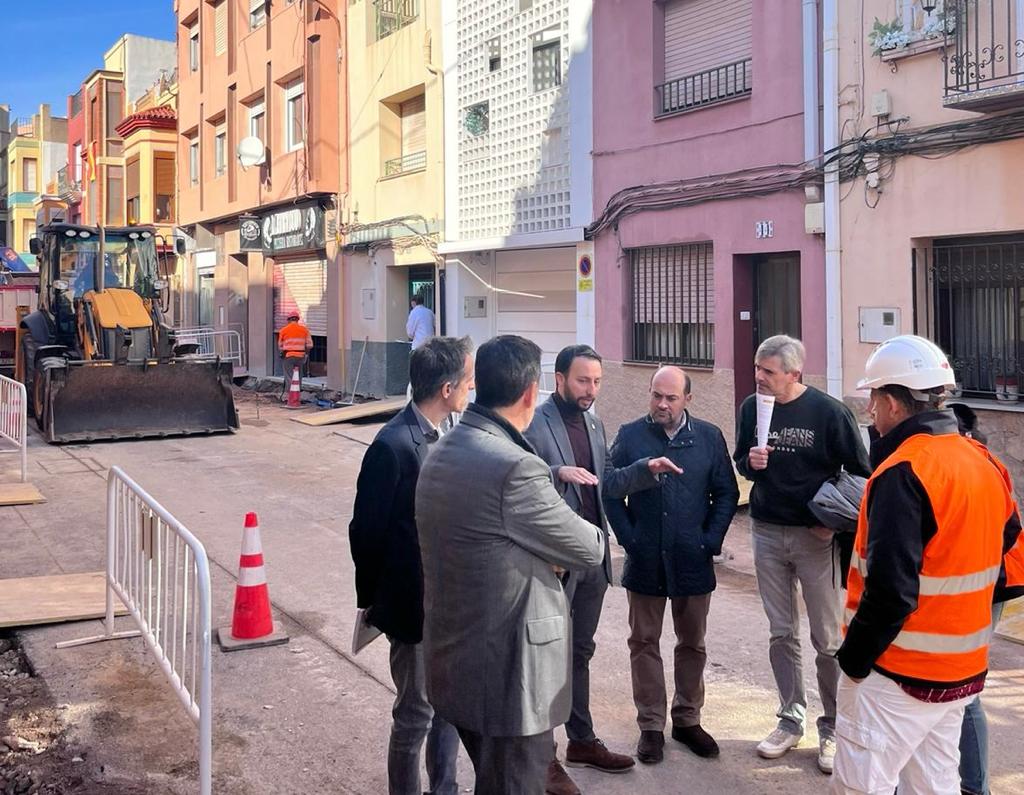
<point>496,630</point>
<point>550,439</point>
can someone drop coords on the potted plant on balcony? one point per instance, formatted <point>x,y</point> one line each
<point>1006,387</point>
<point>886,36</point>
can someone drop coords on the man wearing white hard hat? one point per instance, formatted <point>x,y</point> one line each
<point>936,519</point>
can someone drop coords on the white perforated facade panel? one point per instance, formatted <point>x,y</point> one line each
<point>510,179</point>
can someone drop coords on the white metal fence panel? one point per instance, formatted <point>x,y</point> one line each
<point>14,420</point>
<point>227,343</point>
<point>161,573</point>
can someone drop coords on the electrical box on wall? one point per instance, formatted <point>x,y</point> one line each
<point>881,103</point>
<point>475,306</point>
<point>368,299</point>
<point>814,218</point>
<point>879,323</point>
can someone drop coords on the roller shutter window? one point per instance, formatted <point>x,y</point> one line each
<point>301,285</point>
<point>220,28</point>
<point>132,189</point>
<point>163,187</point>
<point>414,126</point>
<point>704,36</point>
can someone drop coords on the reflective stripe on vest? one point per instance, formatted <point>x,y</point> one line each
<point>294,338</point>
<point>945,639</point>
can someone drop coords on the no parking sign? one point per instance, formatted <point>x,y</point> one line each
<point>584,274</point>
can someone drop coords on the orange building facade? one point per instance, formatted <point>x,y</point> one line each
<point>259,219</point>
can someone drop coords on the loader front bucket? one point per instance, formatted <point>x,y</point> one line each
<point>100,400</point>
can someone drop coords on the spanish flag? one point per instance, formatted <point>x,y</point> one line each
<point>89,156</point>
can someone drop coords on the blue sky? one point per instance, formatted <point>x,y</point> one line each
<point>50,47</point>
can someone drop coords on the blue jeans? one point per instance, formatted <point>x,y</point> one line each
<point>414,721</point>
<point>974,739</point>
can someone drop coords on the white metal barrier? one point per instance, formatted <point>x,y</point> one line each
<point>161,573</point>
<point>227,343</point>
<point>14,420</point>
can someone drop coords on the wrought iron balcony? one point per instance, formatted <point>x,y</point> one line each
<point>24,126</point>
<point>984,56</point>
<point>721,84</point>
<point>417,161</point>
<point>67,186</point>
<point>392,15</point>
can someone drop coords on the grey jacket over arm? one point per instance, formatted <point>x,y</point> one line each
<point>496,629</point>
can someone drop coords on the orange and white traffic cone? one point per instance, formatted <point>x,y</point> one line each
<point>295,391</point>
<point>252,624</point>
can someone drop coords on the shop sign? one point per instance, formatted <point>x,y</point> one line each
<point>250,233</point>
<point>293,229</point>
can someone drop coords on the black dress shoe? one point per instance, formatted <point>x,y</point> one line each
<point>697,740</point>
<point>651,748</point>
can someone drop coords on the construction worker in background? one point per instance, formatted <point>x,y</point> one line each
<point>294,342</point>
<point>936,520</point>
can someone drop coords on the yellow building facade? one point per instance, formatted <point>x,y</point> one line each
<point>393,215</point>
<point>37,149</point>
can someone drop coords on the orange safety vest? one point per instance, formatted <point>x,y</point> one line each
<point>1013,561</point>
<point>946,638</point>
<point>294,340</point>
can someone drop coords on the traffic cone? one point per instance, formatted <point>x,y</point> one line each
<point>251,624</point>
<point>295,391</point>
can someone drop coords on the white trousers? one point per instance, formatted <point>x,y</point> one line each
<point>885,738</point>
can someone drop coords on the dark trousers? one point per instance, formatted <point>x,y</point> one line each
<point>689,618</point>
<point>585,592</point>
<point>414,721</point>
<point>509,765</point>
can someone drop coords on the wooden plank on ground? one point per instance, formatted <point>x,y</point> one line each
<point>1011,625</point>
<point>26,601</point>
<point>348,413</point>
<point>19,494</point>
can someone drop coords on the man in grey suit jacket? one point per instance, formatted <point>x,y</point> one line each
<point>493,531</point>
<point>573,443</point>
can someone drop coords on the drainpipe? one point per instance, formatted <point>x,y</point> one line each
<point>811,103</point>
<point>833,247</point>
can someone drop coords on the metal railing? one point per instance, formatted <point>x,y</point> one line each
<point>14,420</point>
<point>721,84</point>
<point>417,161</point>
<point>66,186</point>
<point>673,304</point>
<point>24,126</point>
<point>967,299</point>
<point>161,573</point>
<point>392,15</point>
<point>225,343</point>
<point>984,46</point>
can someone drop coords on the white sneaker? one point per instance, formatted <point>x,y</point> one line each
<point>827,755</point>
<point>777,743</point>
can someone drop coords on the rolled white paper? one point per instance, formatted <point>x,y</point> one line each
<point>765,406</point>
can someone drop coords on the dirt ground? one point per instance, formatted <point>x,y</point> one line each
<point>36,754</point>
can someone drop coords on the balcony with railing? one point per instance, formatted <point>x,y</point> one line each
<point>725,83</point>
<point>68,188</point>
<point>392,15</point>
<point>417,161</point>
<point>984,55</point>
<point>24,127</point>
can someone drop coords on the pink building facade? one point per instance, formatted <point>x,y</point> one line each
<point>710,121</point>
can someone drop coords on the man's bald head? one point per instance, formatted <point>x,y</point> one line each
<point>670,395</point>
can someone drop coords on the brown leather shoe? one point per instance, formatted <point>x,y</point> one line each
<point>651,748</point>
<point>596,755</point>
<point>558,782</point>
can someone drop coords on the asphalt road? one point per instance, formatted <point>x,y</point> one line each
<point>310,718</point>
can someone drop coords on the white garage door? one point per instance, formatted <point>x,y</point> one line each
<point>549,321</point>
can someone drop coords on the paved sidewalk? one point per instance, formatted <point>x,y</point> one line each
<point>307,717</point>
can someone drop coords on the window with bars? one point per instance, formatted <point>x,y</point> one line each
<point>673,304</point>
<point>547,59</point>
<point>969,299</point>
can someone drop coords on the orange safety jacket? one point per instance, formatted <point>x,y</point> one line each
<point>945,638</point>
<point>1011,581</point>
<point>294,340</point>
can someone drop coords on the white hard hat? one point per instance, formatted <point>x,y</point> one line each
<point>910,361</point>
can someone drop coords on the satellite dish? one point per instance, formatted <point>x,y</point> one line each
<point>250,151</point>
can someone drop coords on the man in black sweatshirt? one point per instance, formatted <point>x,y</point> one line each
<point>811,437</point>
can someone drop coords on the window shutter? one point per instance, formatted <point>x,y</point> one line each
<point>414,126</point>
<point>163,176</point>
<point>220,28</point>
<point>704,34</point>
<point>131,176</point>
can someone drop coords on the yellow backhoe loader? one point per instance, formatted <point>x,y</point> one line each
<point>97,357</point>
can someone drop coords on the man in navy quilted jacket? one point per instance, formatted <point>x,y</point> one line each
<point>671,533</point>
